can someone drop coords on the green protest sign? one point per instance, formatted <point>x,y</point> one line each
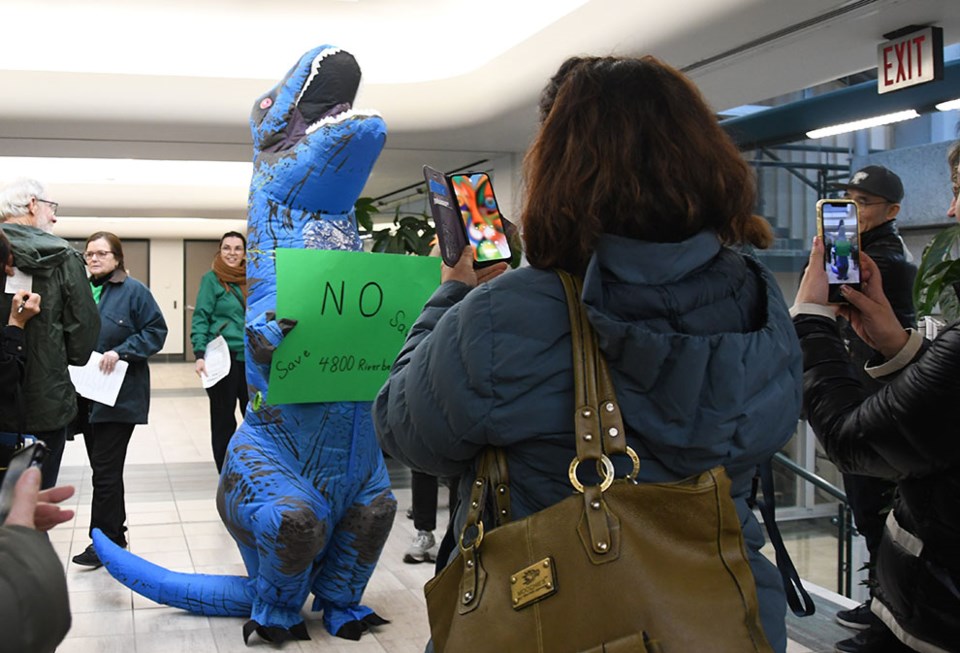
<point>353,311</point>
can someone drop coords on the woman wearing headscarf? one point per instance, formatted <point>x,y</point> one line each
<point>219,311</point>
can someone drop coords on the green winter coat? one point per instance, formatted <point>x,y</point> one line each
<point>34,604</point>
<point>64,333</point>
<point>218,312</point>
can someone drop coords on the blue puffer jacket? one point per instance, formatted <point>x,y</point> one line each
<point>703,354</point>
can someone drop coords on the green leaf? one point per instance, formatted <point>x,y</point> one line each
<point>365,208</point>
<point>937,272</point>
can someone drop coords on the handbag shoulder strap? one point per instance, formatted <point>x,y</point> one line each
<point>597,414</point>
<point>800,602</point>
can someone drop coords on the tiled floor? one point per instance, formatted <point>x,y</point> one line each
<point>170,486</point>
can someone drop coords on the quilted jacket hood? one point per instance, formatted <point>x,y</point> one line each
<point>35,251</point>
<point>678,321</point>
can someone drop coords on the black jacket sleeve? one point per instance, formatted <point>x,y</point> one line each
<point>900,431</point>
<point>12,357</point>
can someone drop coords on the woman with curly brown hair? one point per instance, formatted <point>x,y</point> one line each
<point>633,186</point>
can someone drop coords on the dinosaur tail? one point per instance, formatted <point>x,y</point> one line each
<point>198,593</point>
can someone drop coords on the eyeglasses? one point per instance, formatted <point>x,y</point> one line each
<point>92,256</point>
<point>862,203</point>
<point>53,205</point>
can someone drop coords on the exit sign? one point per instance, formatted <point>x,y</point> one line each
<point>911,58</point>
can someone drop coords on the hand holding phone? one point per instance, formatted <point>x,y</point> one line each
<point>24,495</point>
<point>838,225</point>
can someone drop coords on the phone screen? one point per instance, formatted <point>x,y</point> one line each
<point>481,216</point>
<point>31,455</point>
<point>841,243</point>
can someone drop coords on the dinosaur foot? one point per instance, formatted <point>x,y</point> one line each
<point>275,634</point>
<point>352,630</point>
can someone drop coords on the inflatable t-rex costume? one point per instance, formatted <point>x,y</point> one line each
<point>304,490</point>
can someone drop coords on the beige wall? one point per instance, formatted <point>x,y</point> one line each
<point>166,284</point>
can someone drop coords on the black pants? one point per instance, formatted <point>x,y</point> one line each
<point>424,489</point>
<point>50,469</point>
<point>870,500</point>
<point>224,397</point>
<point>106,444</point>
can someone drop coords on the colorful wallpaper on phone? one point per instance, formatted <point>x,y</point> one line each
<point>481,216</point>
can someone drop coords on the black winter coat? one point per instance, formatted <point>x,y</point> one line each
<point>905,432</point>
<point>884,245</point>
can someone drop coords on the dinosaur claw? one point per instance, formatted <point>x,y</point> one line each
<point>275,634</point>
<point>352,630</point>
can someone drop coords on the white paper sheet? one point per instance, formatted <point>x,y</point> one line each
<point>216,359</point>
<point>19,281</point>
<point>93,384</point>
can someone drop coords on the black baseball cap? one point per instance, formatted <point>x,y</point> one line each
<point>878,181</point>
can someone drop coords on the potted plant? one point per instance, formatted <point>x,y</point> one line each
<point>410,234</point>
<point>939,270</point>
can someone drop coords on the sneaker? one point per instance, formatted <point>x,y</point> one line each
<point>88,558</point>
<point>409,513</point>
<point>858,618</point>
<point>423,549</point>
<point>876,639</point>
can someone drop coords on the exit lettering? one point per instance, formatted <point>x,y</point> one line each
<point>912,59</point>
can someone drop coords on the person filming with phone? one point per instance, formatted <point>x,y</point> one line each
<point>904,433</point>
<point>877,192</point>
<point>634,189</point>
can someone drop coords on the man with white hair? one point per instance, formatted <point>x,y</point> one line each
<point>23,202</point>
<point>63,333</point>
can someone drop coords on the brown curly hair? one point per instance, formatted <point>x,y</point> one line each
<point>628,146</point>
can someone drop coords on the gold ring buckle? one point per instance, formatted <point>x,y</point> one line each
<point>632,476</point>
<point>607,474</point>
<point>476,542</point>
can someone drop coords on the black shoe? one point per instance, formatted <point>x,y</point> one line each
<point>876,639</point>
<point>859,617</point>
<point>88,558</point>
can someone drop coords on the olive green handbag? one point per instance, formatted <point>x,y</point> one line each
<point>616,567</point>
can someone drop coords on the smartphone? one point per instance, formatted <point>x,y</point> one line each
<point>451,236</point>
<point>465,211</point>
<point>838,224</point>
<point>481,217</point>
<point>31,455</point>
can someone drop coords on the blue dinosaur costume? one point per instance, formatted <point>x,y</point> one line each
<point>304,490</point>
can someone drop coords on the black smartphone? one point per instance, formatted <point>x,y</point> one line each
<point>838,224</point>
<point>451,236</point>
<point>481,217</point>
<point>31,455</point>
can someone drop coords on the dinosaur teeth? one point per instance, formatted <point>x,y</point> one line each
<point>315,70</point>
<point>341,117</point>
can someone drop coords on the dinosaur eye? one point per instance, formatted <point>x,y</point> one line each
<point>266,103</point>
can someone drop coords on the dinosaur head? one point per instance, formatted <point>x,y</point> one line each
<point>312,150</point>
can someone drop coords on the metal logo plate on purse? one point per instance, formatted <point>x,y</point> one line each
<point>533,583</point>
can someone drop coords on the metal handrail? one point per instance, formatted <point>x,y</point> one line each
<point>807,475</point>
<point>844,522</point>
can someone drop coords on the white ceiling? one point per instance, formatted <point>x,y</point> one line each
<point>455,81</point>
